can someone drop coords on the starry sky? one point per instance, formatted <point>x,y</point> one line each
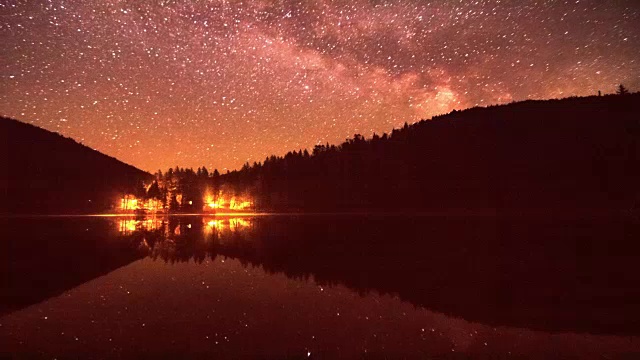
<point>161,83</point>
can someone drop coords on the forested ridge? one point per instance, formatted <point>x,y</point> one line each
<point>532,155</point>
<point>569,153</point>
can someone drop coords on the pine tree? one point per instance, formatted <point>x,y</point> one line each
<point>622,90</point>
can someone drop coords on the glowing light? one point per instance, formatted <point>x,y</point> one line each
<point>213,226</point>
<point>129,202</point>
<point>229,224</point>
<point>127,226</point>
<point>234,204</point>
<point>236,223</point>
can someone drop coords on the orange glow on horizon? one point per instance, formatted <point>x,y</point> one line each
<point>235,203</point>
<point>130,203</point>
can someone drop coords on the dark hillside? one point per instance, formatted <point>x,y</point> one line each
<point>45,173</point>
<point>574,153</point>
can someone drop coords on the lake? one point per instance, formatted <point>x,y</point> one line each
<point>320,286</point>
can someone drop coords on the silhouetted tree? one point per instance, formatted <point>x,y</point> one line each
<point>622,90</point>
<point>173,203</point>
<point>154,191</point>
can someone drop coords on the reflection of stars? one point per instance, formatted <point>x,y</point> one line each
<point>228,83</point>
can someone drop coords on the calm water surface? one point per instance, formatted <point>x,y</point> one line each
<point>320,287</point>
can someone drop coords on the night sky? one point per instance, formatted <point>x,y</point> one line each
<point>163,83</point>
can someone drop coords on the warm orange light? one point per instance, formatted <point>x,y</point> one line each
<point>127,226</point>
<point>236,204</point>
<point>212,203</point>
<point>232,224</point>
<point>213,225</point>
<point>128,203</point>
<point>236,223</point>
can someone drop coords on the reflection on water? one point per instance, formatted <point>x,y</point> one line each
<point>574,275</point>
<point>127,226</point>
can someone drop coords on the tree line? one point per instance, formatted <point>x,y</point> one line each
<point>574,152</point>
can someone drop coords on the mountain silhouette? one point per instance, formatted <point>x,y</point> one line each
<point>531,156</point>
<point>574,154</point>
<point>47,173</point>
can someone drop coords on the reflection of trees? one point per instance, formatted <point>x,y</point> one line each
<point>175,239</point>
<point>475,268</point>
<point>48,256</point>
<point>128,225</point>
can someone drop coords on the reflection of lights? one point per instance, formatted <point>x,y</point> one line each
<point>213,225</point>
<point>131,225</point>
<point>144,244</point>
<point>231,224</point>
<point>224,224</point>
<point>238,223</point>
<point>127,225</point>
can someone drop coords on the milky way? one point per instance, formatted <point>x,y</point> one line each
<point>219,83</point>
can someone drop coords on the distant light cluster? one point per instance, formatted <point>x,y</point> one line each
<point>217,82</point>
